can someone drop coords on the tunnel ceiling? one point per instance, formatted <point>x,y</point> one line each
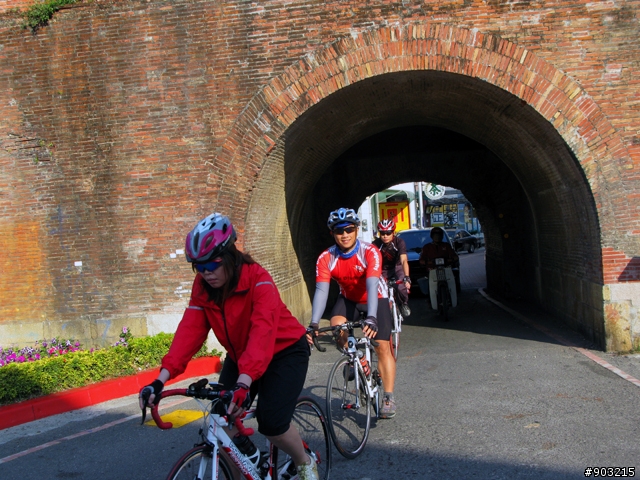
<point>501,122</point>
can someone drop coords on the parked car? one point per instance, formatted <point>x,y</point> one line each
<point>463,240</point>
<point>415,239</point>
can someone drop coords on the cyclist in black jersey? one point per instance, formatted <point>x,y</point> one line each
<point>394,261</point>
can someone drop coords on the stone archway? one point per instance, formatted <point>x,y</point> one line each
<point>259,146</point>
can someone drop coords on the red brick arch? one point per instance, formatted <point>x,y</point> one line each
<point>420,46</point>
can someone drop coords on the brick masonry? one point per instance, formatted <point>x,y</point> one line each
<point>124,122</point>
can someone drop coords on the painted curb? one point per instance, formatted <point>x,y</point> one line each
<point>61,402</point>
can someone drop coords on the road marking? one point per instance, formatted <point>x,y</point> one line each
<point>84,432</point>
<point>563,341</point>
<point>179,418</point>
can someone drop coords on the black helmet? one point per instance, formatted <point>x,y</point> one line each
<point>436,230</point>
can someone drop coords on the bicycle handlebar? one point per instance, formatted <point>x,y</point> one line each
<point>200,391</point>
<point>334,329</point>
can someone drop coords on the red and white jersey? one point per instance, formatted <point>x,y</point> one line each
<point>352,273</point>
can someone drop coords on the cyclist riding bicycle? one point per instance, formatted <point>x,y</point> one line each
<point>394,261</point>
<point>267,351</point>
<point>356,267</point>
<point>438,249</point>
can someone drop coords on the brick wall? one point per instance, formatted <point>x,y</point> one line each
<point>125,122</point>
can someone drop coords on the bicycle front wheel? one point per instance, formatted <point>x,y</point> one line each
<point>395,332</point>
<point>348,409</point>
<point>312,427</point>
<point>196,464</point>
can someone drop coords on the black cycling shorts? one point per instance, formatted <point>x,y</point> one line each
<point>351,310</point>
<point>279,387</point>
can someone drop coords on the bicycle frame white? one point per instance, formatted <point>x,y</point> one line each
<point>218,438</point>
<point>397,318</point>
<point>372,390</point>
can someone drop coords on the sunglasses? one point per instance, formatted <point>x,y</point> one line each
<point>384,234</point>
<point>340,231</point>
<point>210,266</point>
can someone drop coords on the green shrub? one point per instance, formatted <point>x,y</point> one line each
<point>39,14</point>
<point>22,381</point>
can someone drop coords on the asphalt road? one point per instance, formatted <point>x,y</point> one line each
<point>483,396</point>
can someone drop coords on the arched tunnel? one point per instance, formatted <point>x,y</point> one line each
<point>530,193</point>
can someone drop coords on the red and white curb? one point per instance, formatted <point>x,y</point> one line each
<point>74,399</point>
<point>562,340</point>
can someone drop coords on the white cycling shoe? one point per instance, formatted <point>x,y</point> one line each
<point>308,471</point>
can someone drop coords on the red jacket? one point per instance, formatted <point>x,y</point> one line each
<point>253,325</point>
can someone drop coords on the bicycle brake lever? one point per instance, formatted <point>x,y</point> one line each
<point>144,395</point>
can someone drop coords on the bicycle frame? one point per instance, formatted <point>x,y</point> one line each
<point>392,286</point>
<point>350,349</point>
<point>217,437</point>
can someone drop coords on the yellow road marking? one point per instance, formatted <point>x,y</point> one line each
<point>179,418</point>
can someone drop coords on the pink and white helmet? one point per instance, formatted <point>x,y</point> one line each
<point>209,238</point>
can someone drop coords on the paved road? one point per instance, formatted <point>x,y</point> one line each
<point>482,396</point>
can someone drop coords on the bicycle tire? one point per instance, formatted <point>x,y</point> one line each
<point>444,294</point>
<point>311,424</point>
<point>375,403</point>
<point>349,426</point>
<point>395,332</point>
<point>190,466</point>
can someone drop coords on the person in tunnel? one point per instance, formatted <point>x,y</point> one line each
<point>394,261</point>
<point>439,249</point>
<point>267,349</point>
<point>356,266</point>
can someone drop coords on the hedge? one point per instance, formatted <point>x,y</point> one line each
<point>22,381</point>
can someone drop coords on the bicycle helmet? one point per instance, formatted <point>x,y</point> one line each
<point>209,238</point>
<point>436,230</point>
<point>387,225</point>
<point>342,217</point>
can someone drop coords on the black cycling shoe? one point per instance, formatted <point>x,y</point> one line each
<point>405,310</point>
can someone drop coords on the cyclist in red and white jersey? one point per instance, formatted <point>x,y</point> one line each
<point>356,266</point>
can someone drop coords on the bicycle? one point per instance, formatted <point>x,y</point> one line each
<point>353,386</point>
<point>392,286</point>
<point>215,454</point>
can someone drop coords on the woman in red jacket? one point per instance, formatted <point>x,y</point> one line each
<point>267,350</point>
